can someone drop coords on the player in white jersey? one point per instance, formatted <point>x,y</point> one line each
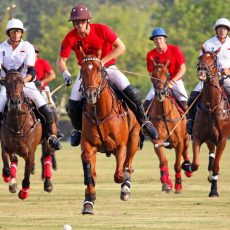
<point>220,41</point>
<point>13,53</point>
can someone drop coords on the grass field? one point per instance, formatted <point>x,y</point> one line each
<point>148,207</point>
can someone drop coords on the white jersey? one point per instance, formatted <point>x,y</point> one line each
<point>223,57</point>
<point>13,59</point>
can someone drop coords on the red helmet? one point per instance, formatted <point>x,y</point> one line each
<point>80,12</point>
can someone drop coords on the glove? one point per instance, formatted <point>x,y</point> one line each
<point>67,78</point>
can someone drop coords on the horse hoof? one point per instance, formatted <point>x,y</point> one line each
<point>125,193</point>
<point>166,188</point>
<point>213,193</point>
<point>48,187</point>
<point>87,208</point>
<point>124,196</point>
<point>13,186</point>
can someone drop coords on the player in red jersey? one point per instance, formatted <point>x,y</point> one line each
<point>91,38</point>
<point>160,54</point>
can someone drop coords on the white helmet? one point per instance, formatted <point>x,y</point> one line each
<point>222,22</point>
<point>15,24</point>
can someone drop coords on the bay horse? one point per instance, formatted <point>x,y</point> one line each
<point>211,125</point>
<point>170,123</point>
<point>107,127</point>
<point>21,133</point>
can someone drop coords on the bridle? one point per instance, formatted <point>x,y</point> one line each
<point>206,69</point>
<point>102,73</point>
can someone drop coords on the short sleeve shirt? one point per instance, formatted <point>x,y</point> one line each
<point>173,53</point>
<point>223,56</point>
<point>13,59</point>
<point>99,37</point>
<point>42,67</point>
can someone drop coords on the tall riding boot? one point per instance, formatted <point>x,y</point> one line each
<point>192,111</point>
<point>49,120</point>
<point>74,110</point>
<point>133,99</point>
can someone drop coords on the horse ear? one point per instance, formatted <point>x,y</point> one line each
<point>21,67</point>
<point>98,54</point>
<point>82,53</point>
<point>4,69</point>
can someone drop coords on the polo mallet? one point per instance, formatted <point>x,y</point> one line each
<point>56,89</point>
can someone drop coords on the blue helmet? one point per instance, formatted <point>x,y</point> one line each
<point>157,32</point>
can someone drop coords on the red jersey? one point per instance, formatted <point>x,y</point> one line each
<point>99,37</point>
<point>42,67</point>
<point>174,55</point>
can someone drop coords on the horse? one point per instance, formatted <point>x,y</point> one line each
<point>170,123</point>
<point>21,133</point>
<point>211,125</point>
<point>107,127</point>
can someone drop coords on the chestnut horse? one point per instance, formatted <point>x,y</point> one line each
<point>107,127</point>
<point>21,133</point>
<point>211,125</point>
<point>170,123</point>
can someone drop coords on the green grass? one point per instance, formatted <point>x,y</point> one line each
<point>148,207</point>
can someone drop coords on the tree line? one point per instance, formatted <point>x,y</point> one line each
<point>188,24</point>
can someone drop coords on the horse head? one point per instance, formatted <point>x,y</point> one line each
<point>14,87</point>
<point>207,65</point>
<point>93,79</point>
<point>159,78</point>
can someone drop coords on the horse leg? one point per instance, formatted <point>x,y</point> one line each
<point>177,167</point>
<point>215,169</point>
<point>24,192</point>
<point>132,148</point>
<point>126,186</point>
<point>6,173</point>
<point>13,170</point>
<point>196,149</point>
<point>89,163</point>
<point>166,181</point>
<point>54,160</point>
<point>46,165</point>
<point>120,160</point>
<point>186,165</point>
<point>211,159</point>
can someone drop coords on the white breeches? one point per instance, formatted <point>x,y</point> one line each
<point>226,85</point>
<point>29,90</point>
<point>178,89</point>
<point>115,76</point>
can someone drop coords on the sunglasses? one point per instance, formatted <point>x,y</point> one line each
<point>16,31</point>
<point>78,22</point>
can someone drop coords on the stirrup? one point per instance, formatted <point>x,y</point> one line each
<point>147,128</point>
<point>54,142</point>
<point>75,138</point>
